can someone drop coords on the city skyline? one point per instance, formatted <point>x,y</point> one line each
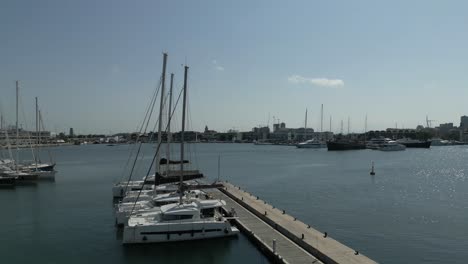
<point>94,65</point>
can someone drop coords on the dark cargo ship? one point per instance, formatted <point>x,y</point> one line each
<point>345,145</point>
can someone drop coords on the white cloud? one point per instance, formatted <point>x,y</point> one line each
<point>217,66</point>
<point>324,82</point>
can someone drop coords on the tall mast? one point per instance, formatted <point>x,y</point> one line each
<point>168,140</point>
<point>305,126</point>
<point>321,123</point>
<point>348,125</point>
<point>330,124</point>
<point>321,119</point>
<point>341,130</point>
<point>17,130</point>
<point>37,125</point>
<point>1,121</point>
<point>161,108</point>
<point>182,135</point>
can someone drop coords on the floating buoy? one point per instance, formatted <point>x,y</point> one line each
<point>372,172</point>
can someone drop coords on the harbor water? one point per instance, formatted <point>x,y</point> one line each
<point>413,210</point>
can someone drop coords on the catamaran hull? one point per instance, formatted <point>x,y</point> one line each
<point>119,190</point>
<point>184,232</point>
<point>121,217</point>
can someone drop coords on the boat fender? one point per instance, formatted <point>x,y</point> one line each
<point>356,252</point>
<point>168,236</point>
<point>302,236</point>
<point>284,211</point>
<point>325,234</point>
<point>192,233</point>
<point>226,230</point>
<point>144,238</point>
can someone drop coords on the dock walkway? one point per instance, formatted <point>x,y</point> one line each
<point>263,234</point>
<point>296,242</point>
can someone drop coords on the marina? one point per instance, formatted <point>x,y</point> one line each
<point>300,236</point>
<point>330,191</point>
<point>233,132</point>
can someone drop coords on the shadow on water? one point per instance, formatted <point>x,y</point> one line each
<point>201,251</point>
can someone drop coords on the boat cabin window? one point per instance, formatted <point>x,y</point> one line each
<point>209,212</point>
<point>169,217</point>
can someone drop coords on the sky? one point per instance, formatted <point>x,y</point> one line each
<point>95,64</point>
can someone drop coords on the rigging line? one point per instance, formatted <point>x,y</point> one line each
<point>26,130</point>
<point>132,151</point>
<point>41,122</point>
<point>154,157</point>
<point>141,143</point>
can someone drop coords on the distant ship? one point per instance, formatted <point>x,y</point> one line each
<point>414,143</point>
<point>345,145</point>
<point>312,143</point>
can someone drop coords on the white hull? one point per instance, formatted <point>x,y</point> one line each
<point>393,148</point>
<point>314,146</point>
<point>121,216</point>
<point>177,232</point>
<point>119,190</point>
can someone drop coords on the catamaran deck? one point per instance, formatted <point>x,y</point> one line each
<point>296,242</point>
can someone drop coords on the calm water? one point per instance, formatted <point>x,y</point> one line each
<point>414,210</point>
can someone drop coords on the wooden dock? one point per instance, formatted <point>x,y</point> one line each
<point>296,242</point>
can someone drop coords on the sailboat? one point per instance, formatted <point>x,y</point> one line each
<point>185,220</point>
<point>35,169</point>
<point>124,189</point>
<point>311,143</point>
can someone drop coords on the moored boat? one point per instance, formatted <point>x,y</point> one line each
<point>179,222</point>
<point>392,146</point>
<point>414,143</point>
<point>345,145</point>
<point>312,143</point>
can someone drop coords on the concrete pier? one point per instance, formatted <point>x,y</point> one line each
<point>295,241</point>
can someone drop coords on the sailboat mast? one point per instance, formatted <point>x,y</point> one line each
<point>305,126</point>
<point>348,125</point>
<point>17,130</point>
<point>168,139</point>
<point>161,108</point>
<point>321,119</point>
<point>330,124</point>
<point>182,135</point>
<point>37,125</point>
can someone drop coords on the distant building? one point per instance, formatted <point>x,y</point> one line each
<point>71,132</point>
<point>209,135</point>
<point>464,123</point>
<point>444,129</point>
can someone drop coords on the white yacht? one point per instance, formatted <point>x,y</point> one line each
<point>124,210</point>
<point>178,222</point>
<point>148,194</point>
<point>392,146</point>
<point>377,143</point>
<point>120,189</point>
<point>312,143</point>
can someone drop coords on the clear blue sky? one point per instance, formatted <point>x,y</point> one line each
<point>94,64</point>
